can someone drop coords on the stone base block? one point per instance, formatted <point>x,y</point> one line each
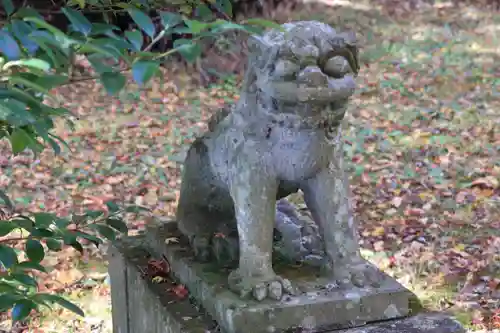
<point>320,305</point>
<point>141,306</point>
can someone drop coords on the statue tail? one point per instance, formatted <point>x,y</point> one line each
<point>217,117</point>
<point>298,236</point>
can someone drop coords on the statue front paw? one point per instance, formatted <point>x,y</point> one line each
<point>201,247</point>
<point>351,273</point>
<point>260,287</point>
<point>225,250</point>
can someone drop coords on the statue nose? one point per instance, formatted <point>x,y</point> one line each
<point>312,75</point>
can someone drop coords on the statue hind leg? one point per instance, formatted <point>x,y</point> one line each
<point>194,218</point>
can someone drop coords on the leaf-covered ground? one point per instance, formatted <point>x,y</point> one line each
<point>423,138</point>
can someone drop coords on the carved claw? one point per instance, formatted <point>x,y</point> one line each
<point>353,274</point>
<point>260,287</point>
<point>201,247</point>
<point>225,249</point>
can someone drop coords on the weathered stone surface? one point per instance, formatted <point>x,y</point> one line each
<point>424,322</point>
<point>140,306</point>
<point>319,304</point>
<point>299,239</point>
<point>284,134</point>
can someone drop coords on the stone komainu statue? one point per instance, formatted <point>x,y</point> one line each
<point>283,135</point>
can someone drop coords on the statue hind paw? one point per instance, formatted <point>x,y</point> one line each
<point>260,287</point>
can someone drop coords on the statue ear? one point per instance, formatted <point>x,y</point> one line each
<point>349,37</point>
<point>261,52</point>
<point>258,45</point>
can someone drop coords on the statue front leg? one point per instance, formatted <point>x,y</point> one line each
<point>254,196</point>
<point>327,197</point>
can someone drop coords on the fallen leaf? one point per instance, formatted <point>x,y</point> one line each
<point>171,240</point>
<point>158,279</point>
<point>488,182</point>
<point>180,291</point>
<point>68,276</point>
<point>396,201</point>
<point>378,231</point>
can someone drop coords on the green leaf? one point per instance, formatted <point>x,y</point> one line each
<point>188,49</point>
<point>143,21</point>
<point>53,56</point>
<point>19,79</point>
<point>136,209</point>
<point>44,219</point>
<point>24,279</point>
<point>103,29</point>
<point>27,12</point>
<point>57,49</point>
<point>7,288</point>
<point>42,233</point>
<point>94,214</point>
<point>6,228</point>
<point>41,23</point>
<point>29,265</point>
<point>8,300</point>
<point>115,45</point>
<point>105,231</point>
<point>62,223</point>
<point>19,140</point>
<point>113,82</point>
<point>97,62</point>
<point>226,6</point>
<point>9,7</point>
<point>53,244</point>
<point>8,256</point>
<point>32,63</point>
<point>80,3</point>
<point>264,23</point>
<point>97,241</point>
<point>135,38</point>
<point>8,46</point>
<point>170,20</point>
<point>61,301</point>
<point>34,250</point>
<point>6,199</point>
<point>113,207</point>
<point>20,96</point>
<point>222,25</point>
<point>71,240</point>
<point>143,71</point>
<point>51,81</point>
<point>22,309</point>
<point>195,27</point>
<point>117,224</point>
<point>24,223</point>
<point>204,12</point>
<point>79,22</point>
<point>21,31</point>
<point>58,139</point>
<point>96,48</point>
<point>163,177</point>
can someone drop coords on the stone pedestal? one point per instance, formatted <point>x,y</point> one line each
<point>142,306</point>
<point>319,306</point>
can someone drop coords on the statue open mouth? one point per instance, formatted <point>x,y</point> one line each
<point>300,93</point>
<point>331,78</point>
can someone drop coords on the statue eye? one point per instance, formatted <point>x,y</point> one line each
<point>336,67</point>
<point>285,69</point>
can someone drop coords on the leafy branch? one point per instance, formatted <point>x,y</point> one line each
<point>37,57</point>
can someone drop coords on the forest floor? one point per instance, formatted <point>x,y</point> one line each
<point>423,138</point>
